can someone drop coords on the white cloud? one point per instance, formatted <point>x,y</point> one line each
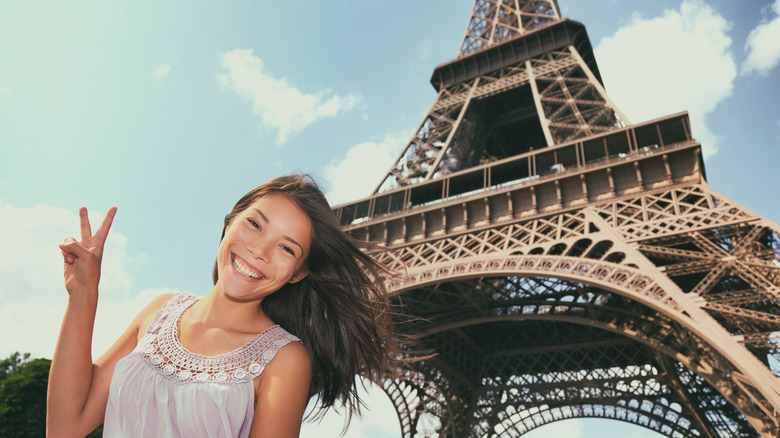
<point>32,294</point>
<point>279,105</point>
<point>762,43</point>
<point>161,71</point>
<point>355,175</point>
<point>678,61</point>
<point>32,234</point>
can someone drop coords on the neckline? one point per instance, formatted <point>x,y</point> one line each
<point>177,341</point>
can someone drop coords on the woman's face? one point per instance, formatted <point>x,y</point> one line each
<point>264,248</point>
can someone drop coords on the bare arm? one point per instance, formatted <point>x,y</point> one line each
<point>282,394</point>
<point>78,389</point>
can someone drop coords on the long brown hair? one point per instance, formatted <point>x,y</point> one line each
<point>340,310</point>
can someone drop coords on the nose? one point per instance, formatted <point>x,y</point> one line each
<point>259,248</point>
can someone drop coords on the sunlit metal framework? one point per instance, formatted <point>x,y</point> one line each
<point>561,263</point>
<point>495,21</point>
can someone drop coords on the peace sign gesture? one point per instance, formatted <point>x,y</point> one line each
<point>82,258</point>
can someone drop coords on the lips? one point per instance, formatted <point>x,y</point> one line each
<point>245,269</point>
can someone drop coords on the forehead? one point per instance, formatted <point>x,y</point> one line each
<point>283,213</point>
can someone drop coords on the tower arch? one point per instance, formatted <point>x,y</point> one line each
<point>543,242</point>
<point>639,370</point>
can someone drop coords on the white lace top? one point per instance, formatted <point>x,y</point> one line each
<point>163,390</point>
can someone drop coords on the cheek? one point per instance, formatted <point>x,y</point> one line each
<point>223,253</point>
<point>288,265</point>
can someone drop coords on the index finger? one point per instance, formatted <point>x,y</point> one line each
<point>102,232</point>
<point>86,230</point>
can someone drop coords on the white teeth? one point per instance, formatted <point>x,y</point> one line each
<point>245,270</point>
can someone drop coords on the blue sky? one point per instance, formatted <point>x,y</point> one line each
<point>173,113</point>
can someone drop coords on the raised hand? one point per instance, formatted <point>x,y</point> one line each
<point>82,258</point>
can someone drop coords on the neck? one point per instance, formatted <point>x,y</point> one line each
<point>218,310</point>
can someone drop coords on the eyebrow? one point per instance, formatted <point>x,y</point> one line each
<point>265,219</point>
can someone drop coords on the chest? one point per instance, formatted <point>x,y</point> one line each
<point>162,349</point>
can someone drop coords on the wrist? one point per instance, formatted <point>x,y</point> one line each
<point>83,295</point>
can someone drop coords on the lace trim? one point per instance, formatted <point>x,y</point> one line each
<point>162,349</point>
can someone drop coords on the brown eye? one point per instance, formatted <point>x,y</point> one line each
<point>254,224</point>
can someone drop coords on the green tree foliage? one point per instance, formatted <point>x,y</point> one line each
<point>23,396</point>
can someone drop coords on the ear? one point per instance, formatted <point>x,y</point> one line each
<point>298,276</point>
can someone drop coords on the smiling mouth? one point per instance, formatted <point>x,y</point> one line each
<point>244,269</point>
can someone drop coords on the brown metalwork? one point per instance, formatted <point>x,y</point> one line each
<point>494,21</point>
<point>564,263</point>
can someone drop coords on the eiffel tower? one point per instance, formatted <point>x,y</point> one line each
<point>561,262</point>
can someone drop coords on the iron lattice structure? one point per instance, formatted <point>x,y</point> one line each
<point>562,262</point>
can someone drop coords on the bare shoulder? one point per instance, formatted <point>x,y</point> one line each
<point>282,392</point>
<point>292,364</point>
<point>291,360</point>
<point>147,314</point>
<point>156,304</point>
<point>129,339</point>
<point>159,300</point>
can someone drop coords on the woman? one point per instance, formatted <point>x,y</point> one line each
<point>296,310</point>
